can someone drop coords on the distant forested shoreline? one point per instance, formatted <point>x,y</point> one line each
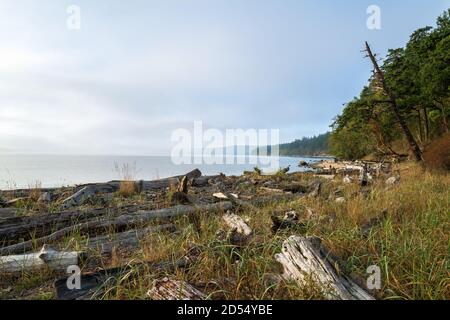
<point>315,146</point>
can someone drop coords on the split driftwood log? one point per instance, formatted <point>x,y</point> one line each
<point>123,221</point>
<point>239,232</point>
<point>46,257</point>
<point>82,196</point>
<point>306,261</point>
<point>167,289</point>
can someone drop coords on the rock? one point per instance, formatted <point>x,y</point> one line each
<point>393,180</point>
<point>303,164</point>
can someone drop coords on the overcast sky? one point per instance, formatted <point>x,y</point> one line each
<point>137,70</point>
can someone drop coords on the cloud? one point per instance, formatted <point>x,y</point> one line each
<point>136,72</point>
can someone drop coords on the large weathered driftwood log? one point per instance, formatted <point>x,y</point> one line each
<point>162,183</point>
<point>167,289</point>
<point>26,227</point>
<point>126,220</point>
<point>47,257</point>
<point>305,261</point>
<point>127,239</point>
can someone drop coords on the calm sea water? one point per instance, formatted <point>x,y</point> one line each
<point>23,171</point>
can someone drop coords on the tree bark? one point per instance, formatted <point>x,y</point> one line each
<point>393,103</point>
<point>167,289</point>
<point>305,261</point>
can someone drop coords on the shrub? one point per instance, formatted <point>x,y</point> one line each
<point>437,153</point>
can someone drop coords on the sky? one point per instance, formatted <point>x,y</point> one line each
<point>137,70</point>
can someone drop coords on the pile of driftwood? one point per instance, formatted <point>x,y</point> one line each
<point>30,243</point>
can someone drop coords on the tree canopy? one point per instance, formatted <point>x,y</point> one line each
<point>419,77</point>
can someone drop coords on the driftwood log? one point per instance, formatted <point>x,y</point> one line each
<point>167,289</point>
<point>93,284</point>
<point>127,239</point>
<point>24,228</point>
<point>123,221</point>
<point>88,191</point>
<point>306,261</point>
<point>46,257</point>
<point>82,196</point>
<point>239,232</point>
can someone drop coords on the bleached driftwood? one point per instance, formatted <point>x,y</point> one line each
<point>223,196</point>
<point>272,190</point>
<point>47,257</point>
<point>239,231</point>
<point>126,220</point>
<point>167,289</point>
<point>305,261</point>
<point>82,196</point>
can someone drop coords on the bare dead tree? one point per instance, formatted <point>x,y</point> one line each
<point>393,103</point>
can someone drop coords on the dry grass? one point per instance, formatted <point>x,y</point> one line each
<point>437,154</point>
<point>410,245</point>
<point>127,173</point>
<point>35,190</point>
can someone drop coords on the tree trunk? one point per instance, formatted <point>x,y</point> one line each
<point>393,103</point>
<point>427,123</point>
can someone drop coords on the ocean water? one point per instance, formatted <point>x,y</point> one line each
<point>24,171</point>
